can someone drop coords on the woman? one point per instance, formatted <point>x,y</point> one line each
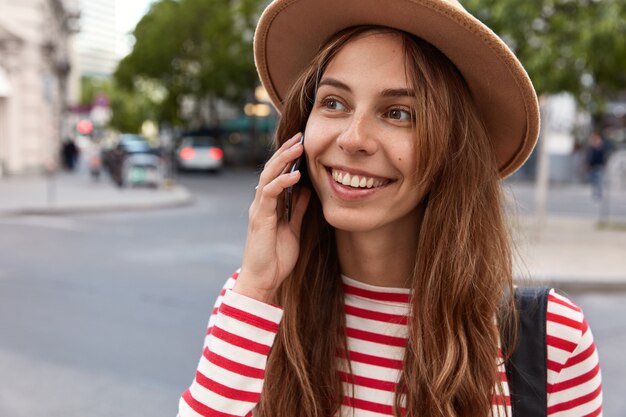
<point>381,295</point>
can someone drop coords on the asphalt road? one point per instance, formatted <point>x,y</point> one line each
<point>104,315</point>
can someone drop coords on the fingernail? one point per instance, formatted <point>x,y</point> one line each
<point>294,173</point>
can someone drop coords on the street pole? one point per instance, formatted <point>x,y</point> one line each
<point>608,180</point>
<point>543,170</point>
<point>51,189</point>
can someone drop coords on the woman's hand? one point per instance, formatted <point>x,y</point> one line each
<point>272,244</point>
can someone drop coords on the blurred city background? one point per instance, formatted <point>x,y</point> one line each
<point>131,135</point>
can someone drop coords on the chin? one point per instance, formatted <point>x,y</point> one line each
<point>340,219</point>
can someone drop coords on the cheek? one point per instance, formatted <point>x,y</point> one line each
<point>316,125</point>
<point>317,137</point>
<point>403,155</point>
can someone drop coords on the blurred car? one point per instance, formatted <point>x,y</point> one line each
<point>199,153</point>
<point>133,162</point>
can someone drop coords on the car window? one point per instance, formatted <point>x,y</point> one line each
<point>127,138</point>
<point>200,141</point>
<point>137,146</point>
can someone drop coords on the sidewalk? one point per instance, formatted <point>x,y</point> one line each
<point>77,193</point>
<point>568,249</point>
<point>572,254</point>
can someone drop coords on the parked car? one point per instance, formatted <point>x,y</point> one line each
<point>133,162</point>
<point>199,153</point>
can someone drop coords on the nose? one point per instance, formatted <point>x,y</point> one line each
<point>359,135</point>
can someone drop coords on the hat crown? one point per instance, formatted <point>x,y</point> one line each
<point>290,33</point>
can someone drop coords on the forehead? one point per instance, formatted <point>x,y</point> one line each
<point>370,57</point>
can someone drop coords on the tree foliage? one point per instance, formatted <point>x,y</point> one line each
<point>194,48</point>
<point>129,109</point>
<point>576,46</point>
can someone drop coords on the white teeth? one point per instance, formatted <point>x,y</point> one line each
<point>355,181</point>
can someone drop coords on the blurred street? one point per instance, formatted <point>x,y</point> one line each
<point>103,314</point>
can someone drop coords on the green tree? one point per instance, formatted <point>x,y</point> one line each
<point>129,109</point>
<point>92,87</point>
<point>576,46</point>
<point>195,49</point>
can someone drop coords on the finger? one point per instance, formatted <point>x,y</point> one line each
<point>286,145</point>
<point>279,165</point>
<point>269,194</point>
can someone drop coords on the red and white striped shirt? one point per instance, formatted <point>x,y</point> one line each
<point>241,332</point>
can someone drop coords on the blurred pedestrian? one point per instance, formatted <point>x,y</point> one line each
<point>117,155</point>
<point>597,155</point>
<point>381,293</point>
<point>93,154</point>
<point>69,153</point>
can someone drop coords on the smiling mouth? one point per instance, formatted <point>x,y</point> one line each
<point>357,181</point>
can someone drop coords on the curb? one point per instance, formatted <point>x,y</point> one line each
<point>181,201</point>
<point>589,285</point>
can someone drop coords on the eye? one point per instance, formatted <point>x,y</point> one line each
<point>332,104</point>
<point>402,115</point>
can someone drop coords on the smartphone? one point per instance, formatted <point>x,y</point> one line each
<point>299,164</point>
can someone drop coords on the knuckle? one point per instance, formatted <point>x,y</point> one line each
<point>286,155</point>
<point>251,216</point>
<point>263,191</point>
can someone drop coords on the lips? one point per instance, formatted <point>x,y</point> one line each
<point>357,181</point>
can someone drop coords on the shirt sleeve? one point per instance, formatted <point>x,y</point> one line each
<point>574,378</point>
<point>231,371</point>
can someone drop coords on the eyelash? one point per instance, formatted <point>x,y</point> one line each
<point>399,109</point>
<point>326,100</point>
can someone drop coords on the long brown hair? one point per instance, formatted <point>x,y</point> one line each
<point>462,266</point>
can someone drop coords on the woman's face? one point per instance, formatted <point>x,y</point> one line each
<point>360,141</point>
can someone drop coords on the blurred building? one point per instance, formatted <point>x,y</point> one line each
<point>94,56</point>
<point>35,61</point>
<point>96,44</point>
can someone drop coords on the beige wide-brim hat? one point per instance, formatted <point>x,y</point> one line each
<point>291,32</point>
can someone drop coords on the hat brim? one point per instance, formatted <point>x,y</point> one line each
<point>290,33</point>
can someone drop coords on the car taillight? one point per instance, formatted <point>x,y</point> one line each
<point>187,153</point>
<point>216,153</point>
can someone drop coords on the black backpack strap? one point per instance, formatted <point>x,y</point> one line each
<point>526,369</point>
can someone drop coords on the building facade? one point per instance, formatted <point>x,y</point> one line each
<point>96,44</point>
<point>35,62</point>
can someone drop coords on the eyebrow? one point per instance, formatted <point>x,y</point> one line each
<point>388,92</point>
